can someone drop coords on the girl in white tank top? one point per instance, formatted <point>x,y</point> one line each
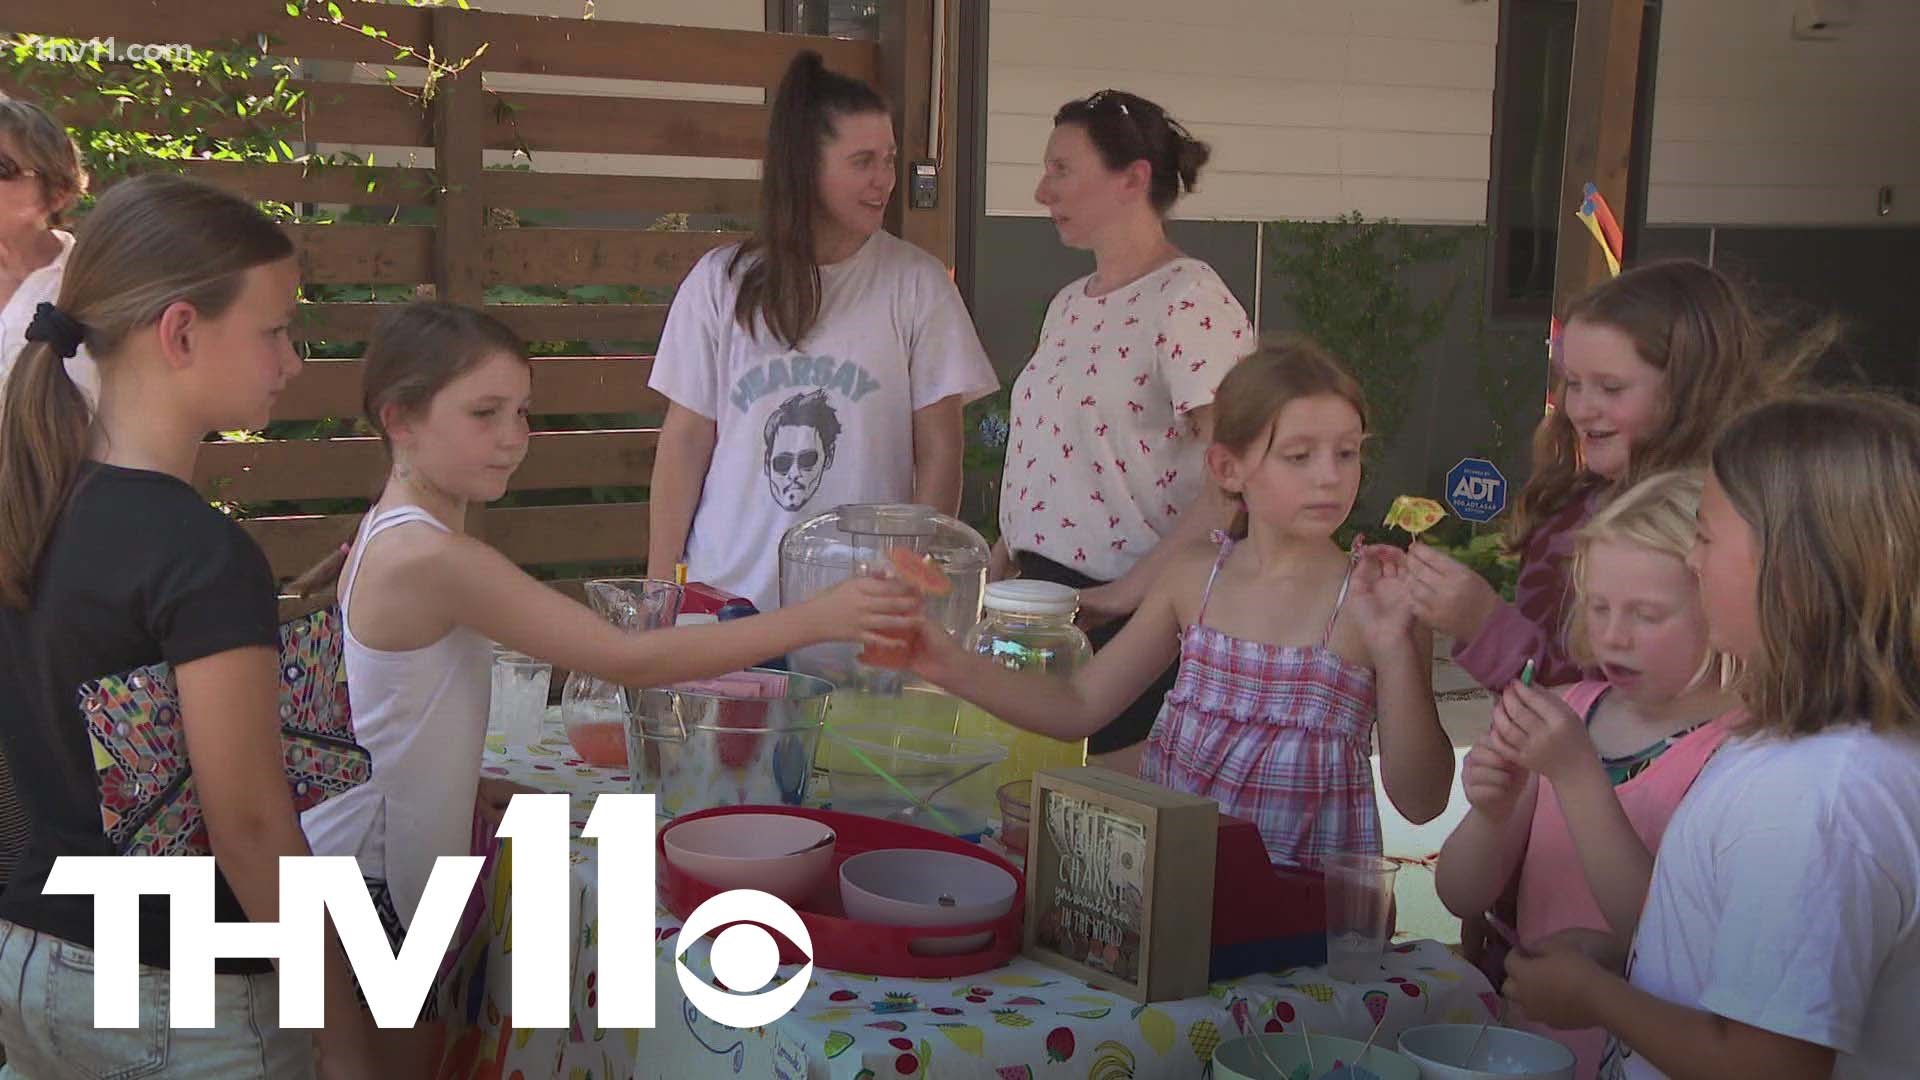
<point>448,390</point>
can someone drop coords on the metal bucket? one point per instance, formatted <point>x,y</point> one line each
<point>698,745</point>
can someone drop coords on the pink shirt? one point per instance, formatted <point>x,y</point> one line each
<point>1553,888</point>
<point>1532,626</point>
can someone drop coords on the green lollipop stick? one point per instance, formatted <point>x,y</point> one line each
<point>862,758</point>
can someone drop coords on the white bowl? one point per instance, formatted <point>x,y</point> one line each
<point>1240,1059</point>
<point>911,887</point>
<point>1505,1054</point>
<point>782,854</point>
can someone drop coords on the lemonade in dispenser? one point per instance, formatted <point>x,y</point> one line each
<point>1028,626</point>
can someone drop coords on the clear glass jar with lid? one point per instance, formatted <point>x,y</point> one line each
<point>855,539</point>
<point>1028,627</point>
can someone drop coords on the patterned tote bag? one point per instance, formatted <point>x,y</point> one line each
<point>147,801</point>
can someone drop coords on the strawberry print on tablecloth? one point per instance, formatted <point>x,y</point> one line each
<point>1104,456</point>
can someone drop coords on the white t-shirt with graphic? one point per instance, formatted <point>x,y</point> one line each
<point>1786,896</point>
<point>1101,457</point>
<point>801,431</point>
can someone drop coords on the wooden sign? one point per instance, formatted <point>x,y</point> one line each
<point>1120,883</point>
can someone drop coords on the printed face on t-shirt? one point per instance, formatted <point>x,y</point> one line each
<point>795,462</point>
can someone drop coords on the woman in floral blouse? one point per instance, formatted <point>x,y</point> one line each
<point>1111,416</point>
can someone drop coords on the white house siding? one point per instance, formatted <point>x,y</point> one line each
<point>1313,107</point>
<point>1753,127</point>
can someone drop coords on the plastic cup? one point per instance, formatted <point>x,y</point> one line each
<point>1359,901</point>
<point>518,707</point>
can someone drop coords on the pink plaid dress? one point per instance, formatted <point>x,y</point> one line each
<point>1279,735</point>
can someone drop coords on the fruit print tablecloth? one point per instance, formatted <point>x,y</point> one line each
<point>1022,1022</point>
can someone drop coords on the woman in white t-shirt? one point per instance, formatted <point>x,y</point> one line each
<point>822,362</point>
<point>40,179</point>
<point>1113,413</point>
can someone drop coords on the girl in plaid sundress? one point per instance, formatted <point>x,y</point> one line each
<point>1290,649</point>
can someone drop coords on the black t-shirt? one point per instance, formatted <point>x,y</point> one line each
<point>139,570</point>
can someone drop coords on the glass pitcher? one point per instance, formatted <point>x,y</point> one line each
<point>594,710</point>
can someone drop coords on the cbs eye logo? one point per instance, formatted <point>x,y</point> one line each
<point>744,955</point>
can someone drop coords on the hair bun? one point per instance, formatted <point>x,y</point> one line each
<point>1190,155</point>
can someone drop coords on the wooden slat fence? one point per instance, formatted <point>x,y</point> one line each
<point>465,250</point>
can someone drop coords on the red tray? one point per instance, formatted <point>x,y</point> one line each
<point>843,944</point>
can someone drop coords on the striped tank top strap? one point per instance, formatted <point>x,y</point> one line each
<point>1226,546</point>
<point>1346,585</point>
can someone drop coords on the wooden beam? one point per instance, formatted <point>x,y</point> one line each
<point>1599,146</point>
<point>569,385</point>
<point>364,254</point>
<point>596,256</point>
<point>533,322</point>
<point>617,125</point>
<point>529,535</point>
<point>525,190</point>
<point>295,469</point>
<point>610,48</point>
<point>459,139</point>
<point>908,32</point>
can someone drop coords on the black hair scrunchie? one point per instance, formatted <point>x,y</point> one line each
<point>58,329</point>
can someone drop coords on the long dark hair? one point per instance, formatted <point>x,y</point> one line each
<point>1126,128</point>
<point>148,244</point>
<point>782,286</point>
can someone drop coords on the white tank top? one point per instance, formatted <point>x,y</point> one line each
<point>422,715</point>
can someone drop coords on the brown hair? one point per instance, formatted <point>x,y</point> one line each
<point>1656,514</point>
<point>783,284</point>
<point>416,351</point>
<point>1126,128</point>
<point>148,244</point>
<point>1691,323</point>
<point>1248,403</point>
<point>1830,485</point>
<point>46,148</point>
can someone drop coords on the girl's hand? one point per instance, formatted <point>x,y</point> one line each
<point>1447,595</point>
<point>494,795</point>
<point>1540,731</point>
<point>935,659</point>
<point>873,611</point>
<point>1492,782</point>
<point>1000,564</point>
<point>1100,605</point>
<point>1550,985</point>
<point>1381,598</point>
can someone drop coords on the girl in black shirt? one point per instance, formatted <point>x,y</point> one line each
<point>110,561</point>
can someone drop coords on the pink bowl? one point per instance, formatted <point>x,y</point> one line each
<point>922,888</point>
<point>787,856</point>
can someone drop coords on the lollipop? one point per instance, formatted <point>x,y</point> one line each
<point>1414,514</point>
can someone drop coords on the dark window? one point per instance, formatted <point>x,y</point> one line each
<point>859,19</point>
<point>1533,71</point>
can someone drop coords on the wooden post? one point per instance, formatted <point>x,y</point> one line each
<point>460,214</point>
<point>909,30</point>
<point>1599,146</point>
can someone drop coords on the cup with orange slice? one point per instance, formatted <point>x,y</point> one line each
<point>921,572</point>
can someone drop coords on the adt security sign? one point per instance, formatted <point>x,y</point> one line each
<point>1476,490</point>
